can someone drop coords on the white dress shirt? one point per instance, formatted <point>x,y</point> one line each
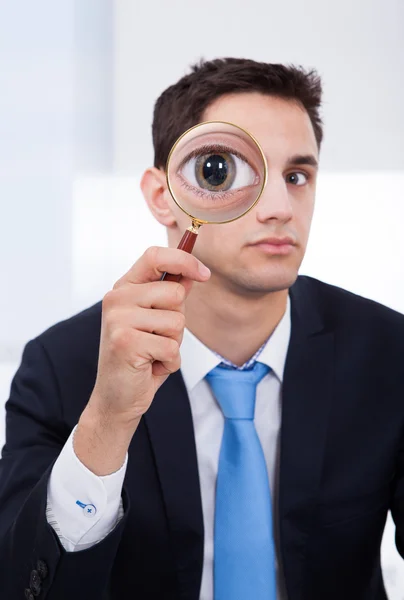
<point>80,526</point>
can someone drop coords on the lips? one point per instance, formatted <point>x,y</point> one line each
<point>275,246</point>
<point>273,241</point>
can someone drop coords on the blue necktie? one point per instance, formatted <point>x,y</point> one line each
<point>244,553</point>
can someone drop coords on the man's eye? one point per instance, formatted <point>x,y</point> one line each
<point>296,178</point>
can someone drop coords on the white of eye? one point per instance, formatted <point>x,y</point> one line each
<point>245,175</point>
<point>301,178</point>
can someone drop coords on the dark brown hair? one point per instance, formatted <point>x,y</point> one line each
<point>182,105</point>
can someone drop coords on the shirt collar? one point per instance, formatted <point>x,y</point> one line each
<point>197,359</point>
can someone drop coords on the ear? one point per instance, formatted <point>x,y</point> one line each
<point>154,187</point>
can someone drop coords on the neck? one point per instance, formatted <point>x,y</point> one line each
<point>231,324</point>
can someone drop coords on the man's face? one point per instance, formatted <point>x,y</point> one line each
<point>285,208</point>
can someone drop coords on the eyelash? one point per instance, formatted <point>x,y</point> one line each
<point>208,195</point>
<point>212,148</point>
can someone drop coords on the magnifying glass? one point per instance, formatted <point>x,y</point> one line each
<point>216,172</point>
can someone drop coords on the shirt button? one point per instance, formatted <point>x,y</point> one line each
<point>90,511</point>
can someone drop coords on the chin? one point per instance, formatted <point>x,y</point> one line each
<point>261,282</point>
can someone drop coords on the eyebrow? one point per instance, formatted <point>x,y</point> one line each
<point>303,159</point>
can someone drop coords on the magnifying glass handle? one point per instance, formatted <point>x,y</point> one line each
<point>187,244</point>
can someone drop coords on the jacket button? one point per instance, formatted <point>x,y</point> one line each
<point>35,583</point>
<point>29,595</point>
<point>42,569</point>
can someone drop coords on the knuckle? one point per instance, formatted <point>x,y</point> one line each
<point>171,350</point>
<point>120,339</point>
<point>179,293</point>
<point>175,365</point>
<point>188,261</point>
<point>117,284</point>
<point>151,254</point>
<point>179,322</point>
<point>195,261</point>
<point>109,300</point>
<point>109,318</point>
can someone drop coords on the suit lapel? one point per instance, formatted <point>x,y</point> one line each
<point>306,401</point>
<point>170,426</point>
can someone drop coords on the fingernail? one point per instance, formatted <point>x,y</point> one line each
<point>204,270</point>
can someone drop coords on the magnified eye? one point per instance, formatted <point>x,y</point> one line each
<point>218,171</point>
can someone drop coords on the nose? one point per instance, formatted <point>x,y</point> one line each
<point>275,202</point>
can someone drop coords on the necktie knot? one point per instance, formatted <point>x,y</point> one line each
<point>235,390</point>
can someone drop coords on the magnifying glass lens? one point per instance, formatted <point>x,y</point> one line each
<point>216,172</point>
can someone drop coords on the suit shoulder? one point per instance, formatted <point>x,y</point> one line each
<point>341,304</point>
<point>80,331</point>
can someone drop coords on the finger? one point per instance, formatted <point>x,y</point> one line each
<point>138,349</point>
<point>166,323</point>
<point>156,261</point>
<point>161,370</point>
<point>187,284</point>
<point>165,295</point>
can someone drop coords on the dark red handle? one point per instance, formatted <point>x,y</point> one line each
<point>187,244</point>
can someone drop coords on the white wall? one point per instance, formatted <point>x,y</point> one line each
<point>78,80</point>
<point>356,45</point>
<point>55,123</point>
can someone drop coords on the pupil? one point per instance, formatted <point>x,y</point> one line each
<point>215,170</point>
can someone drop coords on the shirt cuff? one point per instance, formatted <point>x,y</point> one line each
<point>85,506</point>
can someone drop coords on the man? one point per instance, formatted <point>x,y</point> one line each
<point>289,501</point>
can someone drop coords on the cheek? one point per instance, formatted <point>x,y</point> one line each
<point>212,235</point>
<point>181,218</point>
<point>303,215</point>
<point>218,240</point>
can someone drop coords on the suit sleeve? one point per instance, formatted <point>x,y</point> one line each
<point>31,555</point>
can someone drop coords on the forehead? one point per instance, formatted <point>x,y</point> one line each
<point>280,126</point>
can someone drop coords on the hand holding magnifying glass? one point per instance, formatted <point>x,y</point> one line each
<point>216,173</point>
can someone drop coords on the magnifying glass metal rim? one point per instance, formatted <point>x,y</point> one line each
<point>195,221</point>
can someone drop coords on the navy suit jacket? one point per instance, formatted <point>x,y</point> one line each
<point>341,463</point>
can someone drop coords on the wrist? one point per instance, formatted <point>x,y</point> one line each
<point>95,415</point>
<point>98,411</point>
<point>100,442</point>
